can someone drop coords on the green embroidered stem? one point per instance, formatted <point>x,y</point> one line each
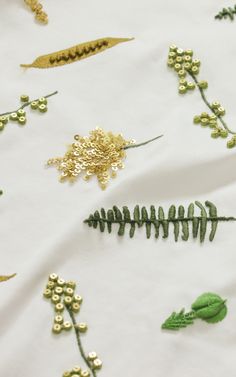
<point>157,220</point>
<point>1,192</point>
<point>209,307</point>
<point>144,143</point>
<point>28,103</point>
<point>226,13</point>
<point>77,333</point>
<point>209,105</point>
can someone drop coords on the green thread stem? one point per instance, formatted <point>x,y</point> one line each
<point>148,221</point>
<point>77,333</point>
<point>144,143</point>
<point>28,104</point>
<point>209,105</point>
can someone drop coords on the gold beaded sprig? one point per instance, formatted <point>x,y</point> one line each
<point>37,8</point>
<point>19,115</point>
<point>184,64</point>
<point>101,154</point>
<point>63,297</point>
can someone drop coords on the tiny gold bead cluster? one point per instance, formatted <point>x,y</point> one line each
<point>62,294</point>
<point>101,154</point>
<point>37,8</point>
<point>19,116</point>
<point>94,362</point>
<point>182,62</point>
<point>211,121</point>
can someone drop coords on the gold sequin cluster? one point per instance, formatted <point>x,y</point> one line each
<point>37,8</point>
<point>100,154</point>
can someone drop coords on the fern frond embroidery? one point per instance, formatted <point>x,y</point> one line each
<point>101,155</point>
<point>63,297</point>
<point>209,307</point>
<point>155,219</point>
<point>183,63</point>
<point>226,13</point>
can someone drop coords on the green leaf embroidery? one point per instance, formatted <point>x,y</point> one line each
<point>155,219</point>
<point>226,13</point>
<point>209,307</point>
<point>6,277</point>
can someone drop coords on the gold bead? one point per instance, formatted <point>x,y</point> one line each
<point>58,319</point>
<point>47,293</point>
<point>97,364</point>
<point>57,328</point>
<point>82,327</point>
<point>59,290</point>
<point>66,374</point>
<point>59,307</point>
<point>2,125</point>
<point>13,116</point>
<point>78,299</point>
<point>42,108</point>
<point>67,326</point>
<point>22,121</point>
<point>61,282</point>
<point>43,101</point>
<point>85,373</point>
<point>69,291</point>
<point>76,369</point>
<point>34,105</point>
<point>24,98</point>
<point>68,300</point>
<point>4,119</point>
<point>53,277</point>
<point>50,285</point>
<point>92,356</point>
<point>55,299</point>
<point>75,307</point>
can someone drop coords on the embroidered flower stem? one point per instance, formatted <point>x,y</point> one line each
<point>101,154</point>
<point>226,13</point>
<point>19,115</point>
<point>209,307</point>
<point>210,106</point>
<point>79,342</point>
<point>183,63</point>
<point>6,277</point>
<point>62,295</point>
<point>181,221</point>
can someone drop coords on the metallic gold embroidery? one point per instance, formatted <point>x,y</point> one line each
<point>75,53</point>
<point>63,297</point>
<point>101,154</point>
<point>6,277</point>
<point>37,8</point>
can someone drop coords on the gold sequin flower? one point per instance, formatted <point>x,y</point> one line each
<point>100,154</point>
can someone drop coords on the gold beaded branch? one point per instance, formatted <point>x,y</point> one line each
<point>37,8</point>
<point>63,297</point>
<point>185,65</point>
<point>19,116</point>
<point>101,154</point>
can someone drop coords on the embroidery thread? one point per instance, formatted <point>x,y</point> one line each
<point>75,53</point>
<point>63,297</point>
<point>6,277</point>
<point>184,64</point>
<point>101,154</point>
<point>105,219</point>
<point>37,8</point>
<point>209,307</point>
<point>19,116</point>
<point>226,13</point>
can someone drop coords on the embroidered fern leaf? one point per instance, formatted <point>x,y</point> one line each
<point>179,320</point>
<point>227,13</point>
<point>184,222</point>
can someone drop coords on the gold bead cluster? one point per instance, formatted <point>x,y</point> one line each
<point>62,294</point>
<point>211,120</point>
<point>182,62</point>
<point>101,154</point>
<point>94,362</point>
<point>19,116</point>
<point>37,8</point>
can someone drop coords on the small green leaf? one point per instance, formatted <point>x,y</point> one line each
<point>218,317</point>
<point>179,320</point>
<point>208,305</point>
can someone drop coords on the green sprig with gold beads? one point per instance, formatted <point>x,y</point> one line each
<point>209,307</point>
<point>183,63</point>
<point>19,115</point>
<point>226,13</point>
<point>63,297</point>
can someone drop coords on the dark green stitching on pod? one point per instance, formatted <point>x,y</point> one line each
<point>209,307</point>
<point>155,218</point>
<point>226,13</point>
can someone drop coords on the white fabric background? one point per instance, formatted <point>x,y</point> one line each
<point>129,286</point>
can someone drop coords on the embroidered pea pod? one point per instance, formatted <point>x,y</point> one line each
<point>156,220</point>
<point>185,66</point>
<point>6,277</point>
<point>75,53</point>
<point>209,307</point>
<point>62,295</point>
<point>101,155</point>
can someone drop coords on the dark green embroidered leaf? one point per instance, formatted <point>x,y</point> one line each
<point>179,320</point>
<point>148,218</point>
